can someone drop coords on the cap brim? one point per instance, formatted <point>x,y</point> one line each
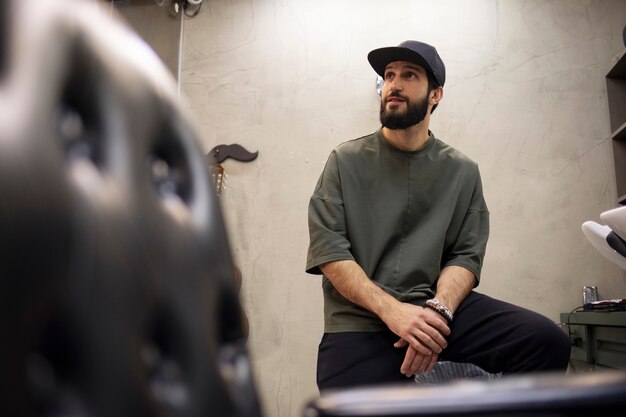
<point>380,58</point>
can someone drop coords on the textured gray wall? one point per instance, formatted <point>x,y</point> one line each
<point>525,98</point>
<point>156,25</point>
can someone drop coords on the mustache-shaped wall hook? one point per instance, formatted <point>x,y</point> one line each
<point>215,157</point>
<point>219,154</point>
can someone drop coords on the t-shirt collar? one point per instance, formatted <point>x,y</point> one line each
<point>386,144</point>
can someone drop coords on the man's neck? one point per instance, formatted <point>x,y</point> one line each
<point>411,139</point>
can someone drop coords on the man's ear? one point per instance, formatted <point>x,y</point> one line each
<point>436,95</point>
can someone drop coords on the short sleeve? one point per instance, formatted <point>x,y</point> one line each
<point>328,237</point>
<point>468,251</point>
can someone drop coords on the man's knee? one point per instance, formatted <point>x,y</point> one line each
<point>549,347</point>
<point>559,345</point>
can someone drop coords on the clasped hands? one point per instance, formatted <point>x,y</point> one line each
<point>424,331</point>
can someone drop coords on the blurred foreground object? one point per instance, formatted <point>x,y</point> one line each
<point>116,279</point>
<point>541,395</point>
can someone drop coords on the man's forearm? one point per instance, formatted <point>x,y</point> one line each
<point>422,328</point>
<point>454,284</point>
<point>352,282</point>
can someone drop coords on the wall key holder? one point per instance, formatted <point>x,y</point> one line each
<point>219,154</point>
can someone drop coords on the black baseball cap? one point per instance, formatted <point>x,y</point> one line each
<point>419,53</point>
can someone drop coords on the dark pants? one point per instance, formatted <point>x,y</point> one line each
<point>492,334</point>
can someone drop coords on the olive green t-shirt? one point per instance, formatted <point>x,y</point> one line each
<point>402,216</point>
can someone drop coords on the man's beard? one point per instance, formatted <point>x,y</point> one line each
<point>414,114</point>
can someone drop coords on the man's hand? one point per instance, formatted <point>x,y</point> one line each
<point>454,284</point>
<point>422,328</point>
<point>414,362</point>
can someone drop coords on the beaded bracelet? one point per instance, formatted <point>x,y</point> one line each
<point>438,306</point>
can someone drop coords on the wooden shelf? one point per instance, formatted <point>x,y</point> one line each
<point>616,97</point>
<point>619,158</point>
<point>620,133</point>
<point>619,68</point>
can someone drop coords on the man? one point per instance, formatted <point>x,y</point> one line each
<point>398,226</point>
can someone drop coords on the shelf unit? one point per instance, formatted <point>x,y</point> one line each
<point>598,339</point>
<point>616,95</point>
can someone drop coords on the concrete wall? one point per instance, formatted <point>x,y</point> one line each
<point>525,98</point>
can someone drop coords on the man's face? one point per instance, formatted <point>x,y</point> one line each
<point>405,95</point>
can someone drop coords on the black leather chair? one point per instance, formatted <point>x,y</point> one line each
<point>116,279</point>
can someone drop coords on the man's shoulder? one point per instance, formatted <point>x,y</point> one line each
<point>452,154</point>
<point>355,146</point>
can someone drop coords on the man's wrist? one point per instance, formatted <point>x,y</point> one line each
<point>439,307</point>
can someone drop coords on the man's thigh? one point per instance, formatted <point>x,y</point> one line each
<point>502,337</point>
<point>355,358</point>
